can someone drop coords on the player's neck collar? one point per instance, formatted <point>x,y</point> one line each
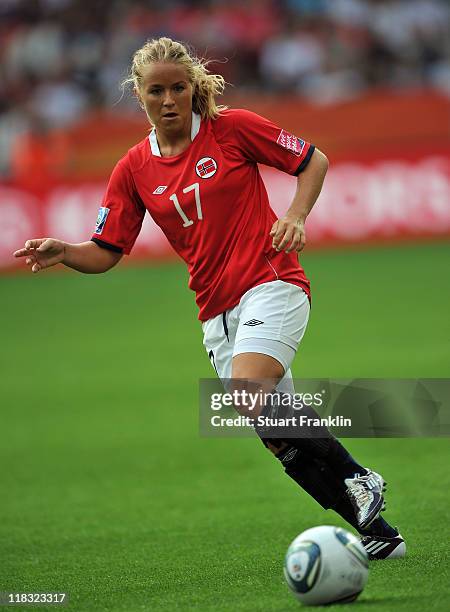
<point>195,128</point>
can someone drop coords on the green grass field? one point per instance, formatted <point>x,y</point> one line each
<point>109,494</point>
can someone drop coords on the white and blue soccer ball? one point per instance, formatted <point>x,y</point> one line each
<point>325,565</point>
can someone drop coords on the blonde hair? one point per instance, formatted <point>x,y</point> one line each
<point>206,86</point>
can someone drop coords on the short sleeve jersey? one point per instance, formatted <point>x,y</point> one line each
<point>211,203</point>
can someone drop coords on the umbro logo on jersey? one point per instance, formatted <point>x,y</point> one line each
<point>253,322</point>
<point>206,167</point>
<point>159,190</point>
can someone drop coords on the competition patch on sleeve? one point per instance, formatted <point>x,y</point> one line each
<point>103,213</point>
<point>291,143</point>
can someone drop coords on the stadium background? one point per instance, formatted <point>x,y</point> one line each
<point>108,492</point>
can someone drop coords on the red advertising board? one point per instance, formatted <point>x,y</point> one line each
<point>387,199</point>
<point>388,179</point>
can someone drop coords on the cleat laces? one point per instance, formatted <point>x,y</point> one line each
<point>359,493</point>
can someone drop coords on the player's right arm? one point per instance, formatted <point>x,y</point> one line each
<point>118,225</point>
<point>86,257</point>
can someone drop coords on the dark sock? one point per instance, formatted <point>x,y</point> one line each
<point>318,479</point>
<point>340,460</point>
<point>331,451</point>
<point>380,527</point>
<point>313,475</point>
<point>345,509</point>
<point>314,442</point>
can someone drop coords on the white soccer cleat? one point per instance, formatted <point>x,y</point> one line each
<point>366,495</point>
<point>384,548</point>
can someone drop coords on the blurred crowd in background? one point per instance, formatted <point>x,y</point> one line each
<point>60,58</point>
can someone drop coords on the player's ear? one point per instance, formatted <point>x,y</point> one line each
<point>137,93</point>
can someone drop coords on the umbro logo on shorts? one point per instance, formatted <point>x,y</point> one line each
<point>253,322</point>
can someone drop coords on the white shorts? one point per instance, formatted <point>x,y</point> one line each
<point>270,318</point>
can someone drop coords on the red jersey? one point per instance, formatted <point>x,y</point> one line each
<point>211,203</point>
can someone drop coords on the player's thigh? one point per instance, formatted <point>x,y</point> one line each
<point>272,321</point>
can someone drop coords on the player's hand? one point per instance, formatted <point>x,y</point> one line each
<point>42,253</point>
<point>288,234</point>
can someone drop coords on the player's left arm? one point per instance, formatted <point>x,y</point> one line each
<point>288,233</point>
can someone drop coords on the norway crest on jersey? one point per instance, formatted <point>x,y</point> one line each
<point>206,167</point>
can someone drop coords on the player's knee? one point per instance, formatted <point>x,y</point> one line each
<point>257,366</point>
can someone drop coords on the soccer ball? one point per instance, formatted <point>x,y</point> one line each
<point>326,565</point>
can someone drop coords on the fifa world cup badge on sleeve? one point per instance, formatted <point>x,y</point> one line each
<point>101,219</point>
<point>291,143</point>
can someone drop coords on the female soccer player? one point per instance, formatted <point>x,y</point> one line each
<point>197,175</point>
